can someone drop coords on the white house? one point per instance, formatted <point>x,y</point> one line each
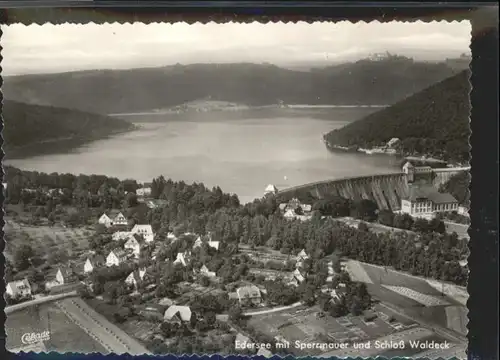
<point>182,258</point>
<point>462,210</point>
<point>121,235</point>
<point>249,295</point>
<point>171,237</point>
<point>178,313</point>
<point>426,202</point>
<point>135,277</point>
<point>298,275</point>
<point>91,263</point>
<point>116,257</point>
<point>289,214</point>
<point>392,142</point>
<point>133,245</point>
<point>204,270</point>
<point>143,192</point>
<point>18,289</point>
<point>145,230</point>
<point>105,220</point>
<point>197,243</point>
<point>302,255</point>
<point>270,190</point>
<point>214,244</point>
<point>65,275</point>
<point>120,219</point>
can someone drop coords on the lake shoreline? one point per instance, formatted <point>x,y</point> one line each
<point>243,157</point>
<point>59,145</point>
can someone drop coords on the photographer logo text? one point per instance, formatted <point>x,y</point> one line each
<point>32,338</point>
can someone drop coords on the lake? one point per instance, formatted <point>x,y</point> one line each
<point>241,156</point>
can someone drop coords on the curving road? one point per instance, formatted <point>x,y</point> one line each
<point>41,300</point>
<point>110,336</point>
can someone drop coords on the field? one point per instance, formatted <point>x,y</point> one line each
<point>382,276</point>
<point>65,336</point>
<point>418,297</point>
<point>303,325</point>
<point>46,239</point>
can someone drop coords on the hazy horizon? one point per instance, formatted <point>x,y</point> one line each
<point>48,48</point>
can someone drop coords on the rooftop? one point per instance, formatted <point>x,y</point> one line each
<point>430,193</point>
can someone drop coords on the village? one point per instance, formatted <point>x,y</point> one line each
<point>159,287</point>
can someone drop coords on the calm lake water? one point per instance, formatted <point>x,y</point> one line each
<point>242,156</point>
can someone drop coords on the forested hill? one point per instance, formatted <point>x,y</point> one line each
<point>364,82</point>
<point>32,127</point>
<point>432,122</point>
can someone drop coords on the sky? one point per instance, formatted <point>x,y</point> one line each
<point>68,47</point>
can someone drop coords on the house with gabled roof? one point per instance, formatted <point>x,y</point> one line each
<point>65,275</point>
<point>205,271</point>
<point>136,277</point>
<point>18,289</point>
<point>146,231</point>
<point>197,243</point>
<point>176,313</point>
<point>120,219</point>
<point>182,258</point>
<point>298,275</point>
<point>270,190</point>
<point>105,220</point>
<point>134,245</point>
<point>92,263</point>
<point>116,257</point>
<point>302,255</point>
<point>248,295</point>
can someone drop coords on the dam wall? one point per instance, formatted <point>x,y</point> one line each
<point>386,190</point>
<point>441,176</point>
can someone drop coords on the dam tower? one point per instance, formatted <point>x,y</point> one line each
<point>409,171</point>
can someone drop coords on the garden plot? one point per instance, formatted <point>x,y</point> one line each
<point>47,239</point>
<point>423,299</point>
<point>305,326</point>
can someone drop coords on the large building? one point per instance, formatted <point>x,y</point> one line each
<point>427,201</point>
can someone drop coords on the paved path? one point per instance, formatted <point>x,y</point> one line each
<point>39,300</point>
<point>281,308</point>
<point>109,335</point>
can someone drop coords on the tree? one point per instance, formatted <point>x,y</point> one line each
<point>22,257</point>
<point>235,314</point>
<point>386,217</point>
<point>356,307</point>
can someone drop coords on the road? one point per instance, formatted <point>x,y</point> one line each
<point>100,329</point>
<point>281,308</point>
<point>37,301</point>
